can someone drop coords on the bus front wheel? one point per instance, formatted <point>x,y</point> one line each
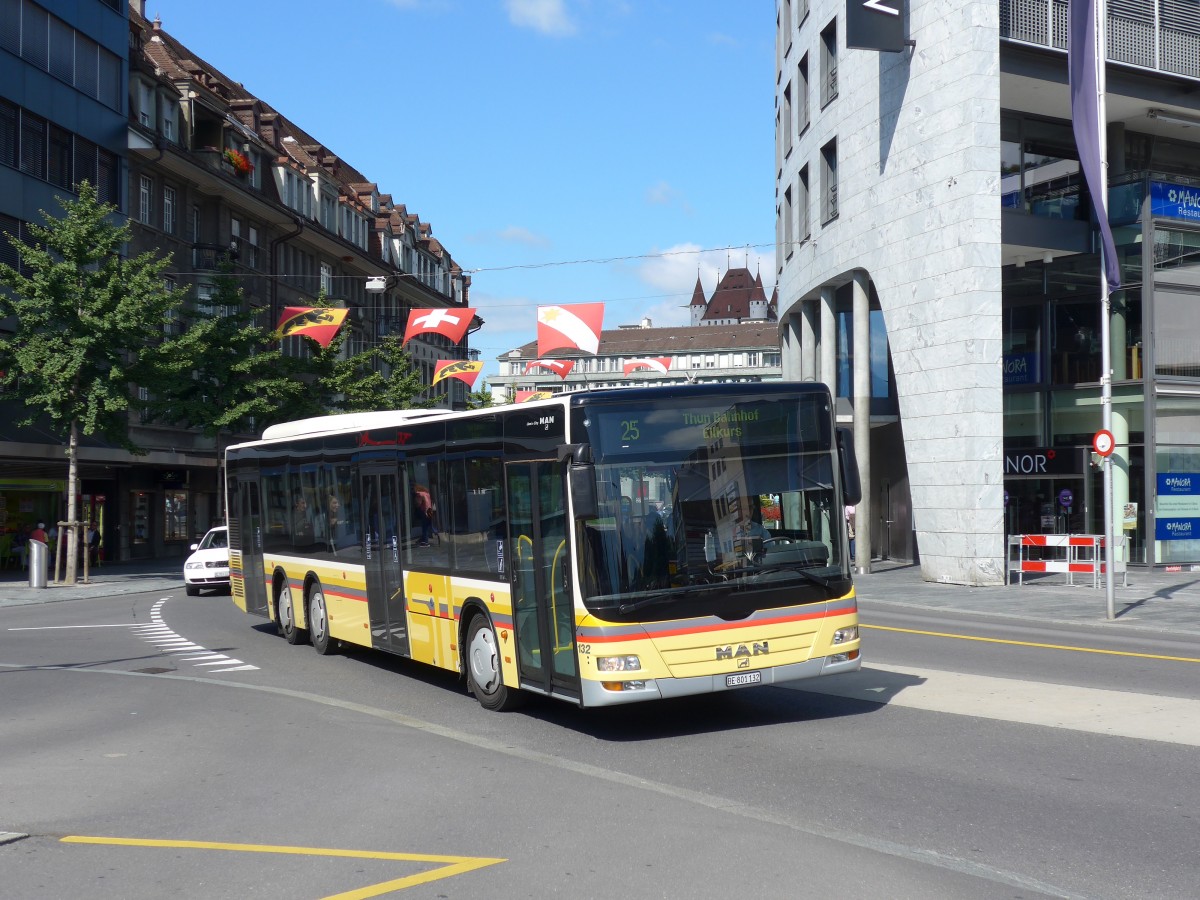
<point>287,616</point>
<point>483,667</point>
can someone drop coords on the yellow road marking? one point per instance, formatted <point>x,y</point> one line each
<point>453,865</point>
<point>987,640</point>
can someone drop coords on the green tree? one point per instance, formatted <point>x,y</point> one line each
<point>481,398</point>
<point>232,377</point>
<point>382,377</point>
<point>89,329</point>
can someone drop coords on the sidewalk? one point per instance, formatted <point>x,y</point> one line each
<point>104,581</point>
<point>1154,599</point>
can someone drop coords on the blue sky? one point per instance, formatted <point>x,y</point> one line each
<point>535,136</point>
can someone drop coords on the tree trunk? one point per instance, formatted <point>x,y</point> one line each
<point>72,505</point>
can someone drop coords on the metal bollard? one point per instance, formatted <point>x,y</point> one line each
<point>39,560</point>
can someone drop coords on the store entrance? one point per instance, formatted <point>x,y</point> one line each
<point>1055,505</point>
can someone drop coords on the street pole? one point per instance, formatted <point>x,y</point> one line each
<point>1101,206</point>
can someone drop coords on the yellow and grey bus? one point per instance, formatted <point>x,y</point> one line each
<point>600,547</point>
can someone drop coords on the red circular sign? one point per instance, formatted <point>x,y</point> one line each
<point>1103,443</point>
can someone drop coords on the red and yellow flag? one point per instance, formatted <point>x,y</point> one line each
<point>320,324</point>
<point>463,369</point>
<point>658,364</point>
<point>560,367</point>
<point>526,396</point>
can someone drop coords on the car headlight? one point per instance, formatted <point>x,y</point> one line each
<point>194,565</point>
<point>618,664</point>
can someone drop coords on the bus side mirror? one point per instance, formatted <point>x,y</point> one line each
<point>581,483</point>
<point>848,464</point>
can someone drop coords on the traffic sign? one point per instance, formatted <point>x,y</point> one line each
<point>1103,443</point>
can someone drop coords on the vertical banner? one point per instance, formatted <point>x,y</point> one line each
<point>1083,64</point>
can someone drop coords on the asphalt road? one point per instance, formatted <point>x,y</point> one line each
<point>157,745</point>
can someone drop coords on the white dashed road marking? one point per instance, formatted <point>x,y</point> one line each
<point>169,642</point>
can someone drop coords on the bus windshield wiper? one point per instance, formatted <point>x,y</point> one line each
<point>670,594</point>
<point>791,570</point>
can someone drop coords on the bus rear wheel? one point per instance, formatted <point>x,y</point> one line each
<point>318,621</point>
<point>287,617</point>
<point>483,668</point>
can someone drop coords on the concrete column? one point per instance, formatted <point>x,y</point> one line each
<point>863,517</point>
<point>1119,355</point>
<point>808,339</point>
<point>793,347</point>
<point>828,371</point>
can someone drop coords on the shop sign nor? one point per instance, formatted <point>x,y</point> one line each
<point>1178,507</point>
<point>1041,461</point>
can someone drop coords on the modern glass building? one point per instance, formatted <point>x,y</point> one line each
<point>931,211</point>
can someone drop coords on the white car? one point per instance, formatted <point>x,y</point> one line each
<point>208,566</point>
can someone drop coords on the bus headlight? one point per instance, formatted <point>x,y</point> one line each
<point>842,635</point>
<point>618,664</point>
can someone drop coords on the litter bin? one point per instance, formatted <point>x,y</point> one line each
<point>39,559</point>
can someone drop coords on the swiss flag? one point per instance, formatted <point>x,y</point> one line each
<point>560,367</point>
<point>450,323</point>
<point>658,364</point>
<point>570,326</point>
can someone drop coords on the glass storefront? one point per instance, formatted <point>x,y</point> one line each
<point>1177,482</point>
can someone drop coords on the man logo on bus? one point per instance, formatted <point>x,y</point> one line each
<point>755,649</point>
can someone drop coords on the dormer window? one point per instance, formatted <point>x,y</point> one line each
<point>146,104</point>
<point>170,121</point>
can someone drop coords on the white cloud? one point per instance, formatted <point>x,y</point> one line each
<point>723,39</point>
<point>515,234</point>
<point>662,194</point>
<point>659,194</point>
<point>547,16</point>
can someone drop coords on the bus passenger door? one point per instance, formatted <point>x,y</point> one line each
<point>540,571</point>
<point>382,514</point>
<point>248,539</point>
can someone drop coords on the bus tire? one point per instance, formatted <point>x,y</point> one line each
<point>483,668</point>
<point>286,610</point>
<point>318,622</point>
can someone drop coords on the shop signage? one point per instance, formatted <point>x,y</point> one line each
<point>1021,368</point>
<point>1065,497</point>
<point>1174,201</point>
<point>875,25</point>
<point>1042,461</point>
<point>1178,507</point>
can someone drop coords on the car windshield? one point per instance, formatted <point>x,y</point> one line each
<point>215,540</point>
<point>695,506</point>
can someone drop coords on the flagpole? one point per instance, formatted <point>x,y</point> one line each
<point>1101,205</point>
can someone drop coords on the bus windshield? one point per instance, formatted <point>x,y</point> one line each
<point>700,503</point>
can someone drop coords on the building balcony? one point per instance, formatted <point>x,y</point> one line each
<point>211,257</point>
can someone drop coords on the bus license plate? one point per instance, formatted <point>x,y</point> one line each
<point>743,678</point>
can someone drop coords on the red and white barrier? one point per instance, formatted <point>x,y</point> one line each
<point>1072,554</point>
